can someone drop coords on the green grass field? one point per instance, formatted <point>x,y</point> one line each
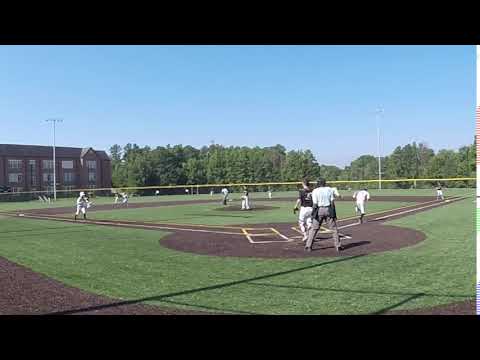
<point>208,214</point>
<point>36,204</point>
<point>130,264</point>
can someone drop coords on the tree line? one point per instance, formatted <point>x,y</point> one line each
<point>216,164</point>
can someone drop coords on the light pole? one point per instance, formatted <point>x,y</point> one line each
<point>54,121</point>
<point>378,114</point>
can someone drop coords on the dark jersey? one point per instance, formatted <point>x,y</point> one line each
<point>305,197</point>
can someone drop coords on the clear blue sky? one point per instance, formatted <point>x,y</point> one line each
<point>318,97</point>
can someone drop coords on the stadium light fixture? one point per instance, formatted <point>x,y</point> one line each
<point>378,113</point>
<point>54,121</point>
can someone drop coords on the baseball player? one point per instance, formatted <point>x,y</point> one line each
<point>305,202</point>
<point>211,192</point>
<point>361,197</point>
<point>225,195</point>
<point>269,193</point>
<point>117,197</point>
<point>439,193</point>
<point>82,204</point>
<point>125,199</point>
<point>245,200</point>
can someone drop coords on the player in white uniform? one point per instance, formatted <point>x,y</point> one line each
<point>117,197</point>
<point>245,200</point>
<point>225,195</point>
<point>361,197</point>
<point>82,204</point>
<point>269,193</point>
<point>125,199</point>
<point>440,193</point>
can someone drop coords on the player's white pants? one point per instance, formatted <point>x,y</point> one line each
<point>439,195</point>
<point>360,208</point>
<point>269,195</point>
<point>80,208</point>
<point>245,203</point>
<point>116,200</point>
<point>304,219</point>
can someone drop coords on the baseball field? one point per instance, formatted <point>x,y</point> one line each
<point>191,255</point>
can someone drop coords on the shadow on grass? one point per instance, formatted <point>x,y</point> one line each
<point>197,290</point>
<point>410,296</point>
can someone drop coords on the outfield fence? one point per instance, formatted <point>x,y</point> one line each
<point>203,189</point>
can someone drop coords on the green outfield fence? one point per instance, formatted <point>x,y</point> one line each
<point>197,189</point>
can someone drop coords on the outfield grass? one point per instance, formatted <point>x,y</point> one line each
<point>130,264</point>
<point>36,204</point>
<point>209,214</point>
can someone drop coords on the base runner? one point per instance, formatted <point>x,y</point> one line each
<point>440,193</point>
<point>305,202</point>
<point>361,197</point>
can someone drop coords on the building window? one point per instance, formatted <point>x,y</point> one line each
<point>47,164</point>
<point>15,178</point>
<point>92,177</point>
<point>91,164</point>
<point>15,164</point>
<point>67,164</point>
<point>33,177</point>
<point>68,177</point>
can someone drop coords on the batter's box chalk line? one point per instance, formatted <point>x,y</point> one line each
<point>274,233</point>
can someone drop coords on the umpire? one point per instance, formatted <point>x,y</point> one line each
<point>323,210</point>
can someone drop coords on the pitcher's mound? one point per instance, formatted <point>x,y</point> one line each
<point>239,208</point>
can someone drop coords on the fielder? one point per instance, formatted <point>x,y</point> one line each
<point>306,204</point>
<point>361,197</point>
<point>225,196</point>
<point>82,205</point>
<point>245,200</point>
<point>125,199</point>
<point>269,193</point>
<point>440,193</point>
<point>117,197</point>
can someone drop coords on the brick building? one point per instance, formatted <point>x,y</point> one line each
<point>30,167</point>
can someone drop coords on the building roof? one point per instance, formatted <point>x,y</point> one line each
<point>47,151</point>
